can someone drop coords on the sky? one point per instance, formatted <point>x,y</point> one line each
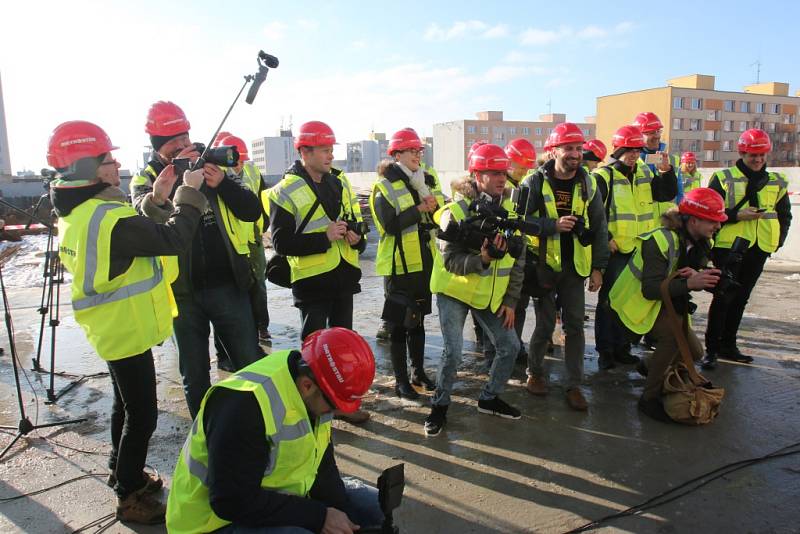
<point>362,66</point>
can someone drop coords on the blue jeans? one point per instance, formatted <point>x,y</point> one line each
<point>452,314</point>
<point>363,510</point>
<point>228,309</point>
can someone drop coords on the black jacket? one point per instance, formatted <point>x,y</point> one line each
<point>344,279</point>
<point>244,205</point>
<point>138,236</point>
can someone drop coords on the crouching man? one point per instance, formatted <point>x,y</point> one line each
<point>682,244</point>
<point>259,457</point>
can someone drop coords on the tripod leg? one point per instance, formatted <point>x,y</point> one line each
<point>13,441</point>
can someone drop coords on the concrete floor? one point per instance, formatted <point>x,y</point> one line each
<point>551,471</point>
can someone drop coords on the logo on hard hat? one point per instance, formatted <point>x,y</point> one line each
<point>78,141</point>
<point>332,363</point>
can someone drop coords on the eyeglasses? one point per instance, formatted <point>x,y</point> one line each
<point>415,151</point>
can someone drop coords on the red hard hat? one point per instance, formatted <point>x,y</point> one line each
<point>754,141</point>
<point>474,146</point>
<point>219,138</point>
<point>628,137</point>
<point>563,134</point>
<point>343,365</point>
<point>403,140</point>
<point>596,147</point>
<point>488,158</point>
<point>521,151</point>
<point>240,145</point>
<point>166,119</point>
<point>688,157</point>
<point>314,133</point>
<point>74,140</point>
<point>647,121</point>
<point>704,203</point>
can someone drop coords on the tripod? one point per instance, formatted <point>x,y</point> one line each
<point>25,426</point>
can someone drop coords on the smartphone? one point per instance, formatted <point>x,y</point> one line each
<point>653,159</point>
<point>761,210</point>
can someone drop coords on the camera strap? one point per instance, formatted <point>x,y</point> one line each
<point>398,245</point>
<point>314,206</point>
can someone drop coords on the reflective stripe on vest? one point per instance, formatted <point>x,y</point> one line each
<point>692,181</point>
<point>295,196</point>
<point>626,298</point>
<point>104,307</point>
<point>582,256</point>
<point>296,450</point>
<point>481,290</point>
<point>631,212</point>
<point>766,230</point>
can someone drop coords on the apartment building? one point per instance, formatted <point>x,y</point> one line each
<point>699,118</point>
<point>452,140</point>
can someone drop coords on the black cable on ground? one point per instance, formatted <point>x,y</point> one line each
<point>674,494</point>
<point>49,488</point>
<point>102,524</point>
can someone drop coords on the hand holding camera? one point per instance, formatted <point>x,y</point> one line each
<point>336,230</point>
<point>491,250</point>
<point>194,179</point>
<point>705,279</point>
<point>565,224</point>
<point>212,174</point>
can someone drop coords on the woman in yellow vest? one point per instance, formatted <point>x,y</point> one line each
<point>402,206</point>
<point>692,179</point>
<point>759,212</point>
<point>681,245</point>
<point>121,290</point>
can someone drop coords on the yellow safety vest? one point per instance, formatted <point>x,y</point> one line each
<point>765,230</point>
<point>582,256</point>
<point>296,446</point>
<point>692,181</point>
<point>295,196</point>
<point>481,290</point>
<point>399,197</point>
<point>238,233</point>
<point>631,212</point>
<point>251,177</point>
<point>130,313</point>
<point>636,312</point>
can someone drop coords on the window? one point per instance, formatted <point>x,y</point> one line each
<point>538,131</point>
<point>526,131</point>
<point>788,119</point>
<point>784,137</point>
<point>727,126</point>
<point>712,135</point>
<point>760,107</point>
<point>676,124</point>
<point>774,109</point>
<point>695,103</point>
<point>676,145</point>
<point>586,132</point>
<point>484,130</point>
<point>726,146</point>
<point>694,145</point>
<point>711,155</point>
<point>694,124</point>
<point>757,124</point>
<point>713,115</point>
<point>677,103</point>
<point>729,105</point>
<point>537,143</point>
<point>770,127</point>
<point>744,107</point>
<point>471,129</point>
<point>512,130</point>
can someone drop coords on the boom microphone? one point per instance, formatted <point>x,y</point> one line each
<point>271,61</point>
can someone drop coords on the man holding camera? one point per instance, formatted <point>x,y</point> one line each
<point>484,279</point>
<point>759,211</point>
<point>214,278</point>
<point>563,199</point>
<point>657,158</point>
<point>259,457</point>
<point>630,190</point>
<point>681,245</point>
<point>316,223</point>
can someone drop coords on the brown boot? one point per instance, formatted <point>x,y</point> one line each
<point>358,417</point>
<point>576,400</point>
<point>152,483</point>
<point>141,507</point>
<point>536,386</point>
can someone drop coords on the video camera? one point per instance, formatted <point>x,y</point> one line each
<point>584,235</point>
<point>354,225</point>
<point>391,484</point>
<point>491,220</point>
<point>223,156</point>
<point>729,269</point>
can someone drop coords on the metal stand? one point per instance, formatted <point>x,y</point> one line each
<point>24,426</point>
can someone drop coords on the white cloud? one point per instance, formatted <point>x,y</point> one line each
<point>538,36</point>
<point>308,25</point>
<point>592,32</point>
<point>275,31</point>
<point>541,36</point>
<point>506,73</point>
<point>460,29</point>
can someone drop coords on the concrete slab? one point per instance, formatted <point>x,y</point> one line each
<point>551,471</point>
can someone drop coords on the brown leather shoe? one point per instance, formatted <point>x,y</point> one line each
<point>152,483</point>
<point>359,417</point>
<point>536,386</point>
<point>576,400</point>
<point>141,507</point>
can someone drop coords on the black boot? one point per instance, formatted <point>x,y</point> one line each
<point>418,376</point>
<point>405,391</point>
<point>436,420</point>
<point>709,361</point>
<point>606,360</point>
<point>402,388</point>
<point>420,379</point>
<point>622,355</point>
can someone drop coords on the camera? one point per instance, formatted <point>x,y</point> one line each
<point>584,235</point>
<point>652,159</point>
<point>354,225</point>
<point>489,221</point>
<point>223,156</point>
<point>729,269</point>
